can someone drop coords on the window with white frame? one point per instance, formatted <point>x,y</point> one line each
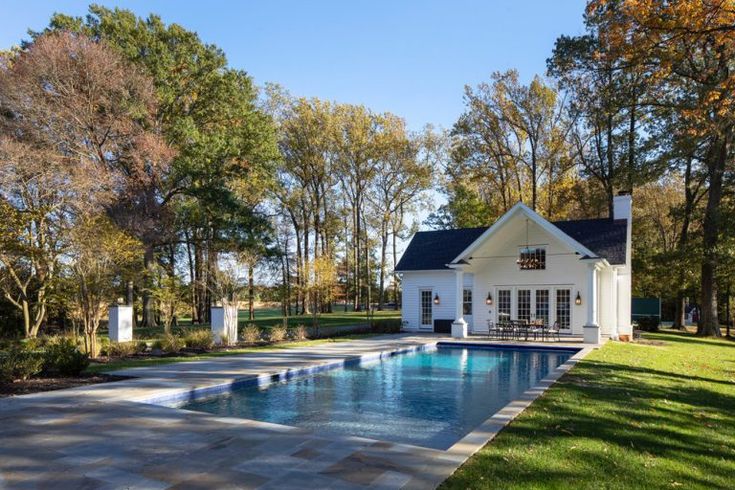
<point>467,301</point>
<point>563,307</point>
<point>532,258</point>
<point>504,304</point>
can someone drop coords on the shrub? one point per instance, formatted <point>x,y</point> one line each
<point>251,334</point>
<point>122,349</point>
<point>103,344</point>
<point>157,344</point>
<point>277,333</point>
<point>19,362</point>
<point>648,323</point>
<point>199,339</point>
<point>299,333</point>
<point>62,356</point>
<point>172,343</point>
<point>142,346</point>
<point>386,325</point>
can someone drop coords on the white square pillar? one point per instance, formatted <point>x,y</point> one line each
<point>459,326</point>
<point>224,324</point>
<point>592,296</point>
<point>120,327</point>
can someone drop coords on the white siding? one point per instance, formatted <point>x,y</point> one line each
<point>493,266</point>
<point>440,282</point>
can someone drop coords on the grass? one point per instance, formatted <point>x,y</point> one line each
<point>268,317</point>
<point>653,414</point>
<point>155,361</point>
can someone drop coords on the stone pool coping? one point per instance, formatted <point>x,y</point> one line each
<point>460,451</point>
<point>109,435</point>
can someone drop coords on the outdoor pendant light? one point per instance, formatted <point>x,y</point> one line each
<point>489,299</point>
<point>436,299</point>
<point>578,300</point>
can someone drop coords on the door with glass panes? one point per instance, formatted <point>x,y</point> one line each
<point>532,303</point>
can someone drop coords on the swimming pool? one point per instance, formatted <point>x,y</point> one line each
<point>431,397</point>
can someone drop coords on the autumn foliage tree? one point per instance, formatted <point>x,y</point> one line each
<point>77,120</point>
<point>687,52</point>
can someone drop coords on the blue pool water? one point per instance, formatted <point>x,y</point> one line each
<point>426,398</point>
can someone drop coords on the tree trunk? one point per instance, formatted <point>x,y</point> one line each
<point>395,278</point>
<point>383,260</point>
<point>149,310</point>
<point>709,323</point>
<point>680,314</point>
<point>251,294</point>
<point>357,236</point>
<point>689,203</point>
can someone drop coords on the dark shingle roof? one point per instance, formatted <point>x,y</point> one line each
<point>432,250</point>
<point>605,237</point>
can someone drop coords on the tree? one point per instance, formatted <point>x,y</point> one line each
<point>76,107</point>
<point>225,145</point>
<point>509,145</point>
<point>686,52</point>
<point>36,196</point>
<point>403,171</point>
<point>98,252</point>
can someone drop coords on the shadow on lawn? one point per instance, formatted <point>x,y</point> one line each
<point>611,425</point>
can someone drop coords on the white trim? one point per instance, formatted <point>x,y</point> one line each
<point>540,221</point>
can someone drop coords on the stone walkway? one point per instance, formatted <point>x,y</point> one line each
<point>101,436</point>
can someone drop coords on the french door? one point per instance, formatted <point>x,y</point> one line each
<point>426,306</point>
<point>549,304</point>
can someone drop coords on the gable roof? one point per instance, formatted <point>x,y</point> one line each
<point>604,236</point>
<point>433,250</point>
<point>544,224</point>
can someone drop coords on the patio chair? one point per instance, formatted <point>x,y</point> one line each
<point>506,330</point>
<point>537,328</point>
<point>493,330</point>
<point>553,331</point>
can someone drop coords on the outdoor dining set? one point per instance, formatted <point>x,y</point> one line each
<point>507,329</point>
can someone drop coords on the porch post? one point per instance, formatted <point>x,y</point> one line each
<point>459,326</point>
<point>591,327</point>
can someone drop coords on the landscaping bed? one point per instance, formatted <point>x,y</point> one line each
<point>37,385</point>
<point>659,413</point>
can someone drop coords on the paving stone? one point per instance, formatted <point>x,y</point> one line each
<point>102,436</point>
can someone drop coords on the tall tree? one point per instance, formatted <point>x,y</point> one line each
<point>225,145</point>
<point>686,51</point>
<point>90,112</point>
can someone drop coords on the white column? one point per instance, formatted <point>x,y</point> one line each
<point>120,327</point>
<point>591,327</point>
<point>459,326</point>
<point>592,296</point>
<point>224,324</point>
<point>614,302</point>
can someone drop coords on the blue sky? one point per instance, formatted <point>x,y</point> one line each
<point>411,58</point>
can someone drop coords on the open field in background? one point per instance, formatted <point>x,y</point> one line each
<point>659,413</point>
<point>269,317</point>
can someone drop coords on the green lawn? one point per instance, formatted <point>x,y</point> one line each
<point>654,414</point>
<point>154,361</point>
<point>270,317</point>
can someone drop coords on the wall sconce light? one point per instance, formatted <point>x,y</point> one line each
<point>578,299</point>
<point>436,299</point>
<point>489,299</point>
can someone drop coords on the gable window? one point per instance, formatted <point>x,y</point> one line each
<point>532,258</point>
<point>467,302</point>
